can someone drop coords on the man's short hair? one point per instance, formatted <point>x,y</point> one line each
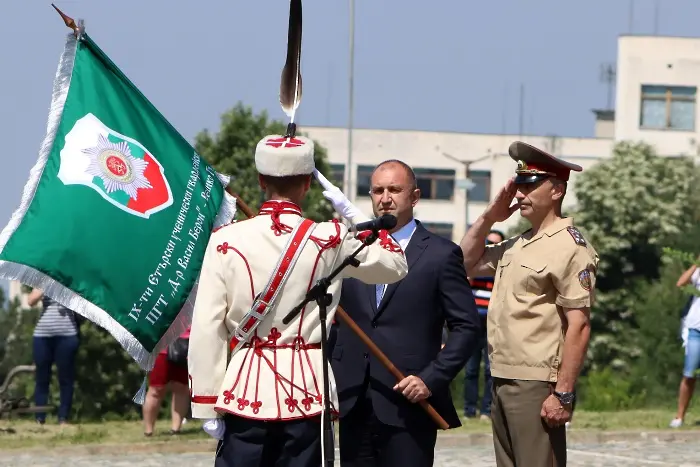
<point>499,233</point>
<point>409,170</point>
<point>284,185</point>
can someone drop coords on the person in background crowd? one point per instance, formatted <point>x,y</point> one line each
<point>691,331</point>
<point>481,287</point>
<point>56,340</point>
<point>166,374</point>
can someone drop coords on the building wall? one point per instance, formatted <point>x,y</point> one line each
<point>426,150</point>
<point>15,291</point>
<point>665,62</point>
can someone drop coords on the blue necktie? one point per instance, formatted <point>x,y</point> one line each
<point>380,292</point>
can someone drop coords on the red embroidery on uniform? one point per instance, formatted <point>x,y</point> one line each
<point>274,209</point>
<point>307,402</point>
<point>291,403</point>
<point>223,248</point>
<point>332,242</point>
<point>385,240</point>
<point>204,399</point>
<point>274,335</point>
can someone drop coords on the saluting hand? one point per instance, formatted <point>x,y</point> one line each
<point>413,388</point>
<point>500,209</point>
<point>340,202</point>
<point>553,413</point>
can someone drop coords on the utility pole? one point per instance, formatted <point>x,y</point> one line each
<point>350,189</point>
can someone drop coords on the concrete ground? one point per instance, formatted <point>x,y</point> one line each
<point>678,449</point>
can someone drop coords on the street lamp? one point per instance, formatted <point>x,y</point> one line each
<point>467,184</point>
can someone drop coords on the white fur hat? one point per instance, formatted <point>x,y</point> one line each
<point>280,156</point>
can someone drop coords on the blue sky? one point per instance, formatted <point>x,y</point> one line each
<point>456,65</point>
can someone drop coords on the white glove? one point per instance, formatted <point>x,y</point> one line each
<point>340,202</point>
<point>215,428</point>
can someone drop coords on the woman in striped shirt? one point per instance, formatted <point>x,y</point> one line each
<point>55,341</point>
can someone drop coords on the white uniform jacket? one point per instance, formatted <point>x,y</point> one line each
<point>277,375</point>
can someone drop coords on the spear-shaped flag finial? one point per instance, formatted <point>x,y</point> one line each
<point>290,87</point>
<point>70,22</point>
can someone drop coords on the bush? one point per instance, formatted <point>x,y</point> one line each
<point>605,390</point>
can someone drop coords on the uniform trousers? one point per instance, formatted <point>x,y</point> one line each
<point>259,443</point>
<point>521,437</point>
<point>367,442</point>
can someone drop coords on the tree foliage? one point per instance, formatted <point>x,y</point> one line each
<point>232,151</point>
<point>630,207</point>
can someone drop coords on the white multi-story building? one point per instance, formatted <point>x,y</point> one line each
<point>656,85</point>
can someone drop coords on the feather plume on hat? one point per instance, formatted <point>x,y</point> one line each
<point>290,87</point>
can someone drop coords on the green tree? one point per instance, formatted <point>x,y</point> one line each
<point>232,152</point>
<point>630,207</point>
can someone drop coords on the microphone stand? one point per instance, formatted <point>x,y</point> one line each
<point>319,294</point>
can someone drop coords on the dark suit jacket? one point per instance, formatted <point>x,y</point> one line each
<point>407,327</point>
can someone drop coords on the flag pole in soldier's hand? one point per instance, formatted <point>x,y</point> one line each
<point>347,320</point>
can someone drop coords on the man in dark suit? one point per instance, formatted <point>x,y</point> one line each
<point>381,422</point>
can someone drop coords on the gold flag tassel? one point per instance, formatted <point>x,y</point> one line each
<point>290,87</point>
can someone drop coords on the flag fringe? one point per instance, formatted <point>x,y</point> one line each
<point>58,99</point>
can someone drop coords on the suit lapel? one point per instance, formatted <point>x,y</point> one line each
<point>416,247</point>
<point>371,290</point>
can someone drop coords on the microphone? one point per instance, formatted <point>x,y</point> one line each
<point>385,222</point>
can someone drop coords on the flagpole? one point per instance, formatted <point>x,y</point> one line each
<point>345,318</point>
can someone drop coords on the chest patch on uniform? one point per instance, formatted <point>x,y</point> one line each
<point>578,238</point>
<point>584,278</point>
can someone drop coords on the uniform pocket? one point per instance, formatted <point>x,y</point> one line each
<point>533,277</point>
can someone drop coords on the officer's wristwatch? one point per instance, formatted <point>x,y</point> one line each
<point>566,398</point>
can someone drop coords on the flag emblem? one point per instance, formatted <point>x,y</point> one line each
<point>119,168</point>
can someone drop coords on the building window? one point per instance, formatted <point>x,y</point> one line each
<point>436,183</point>
<point>668,107</point>
<point>364,174</point>
<point>338,174</point>
<point>481,192</point>
<point>442,229</point>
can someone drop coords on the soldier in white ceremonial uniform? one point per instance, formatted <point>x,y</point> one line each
<point>262,396</point>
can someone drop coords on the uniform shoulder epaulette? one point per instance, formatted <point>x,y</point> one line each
<point>577,236</point>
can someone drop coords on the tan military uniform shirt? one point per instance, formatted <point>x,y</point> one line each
<point>278,375</point>
<point>535,280</point>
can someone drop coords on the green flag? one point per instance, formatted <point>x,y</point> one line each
<point>117,211</point>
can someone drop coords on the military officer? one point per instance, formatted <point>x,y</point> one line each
<point>265,402</point>
<point>538,323</point>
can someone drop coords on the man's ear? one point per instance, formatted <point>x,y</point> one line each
<point>261,182</point>
<point>559,190</point>
<point>415,197</point>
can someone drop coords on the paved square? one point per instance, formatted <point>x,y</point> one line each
<point>619,454</point>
